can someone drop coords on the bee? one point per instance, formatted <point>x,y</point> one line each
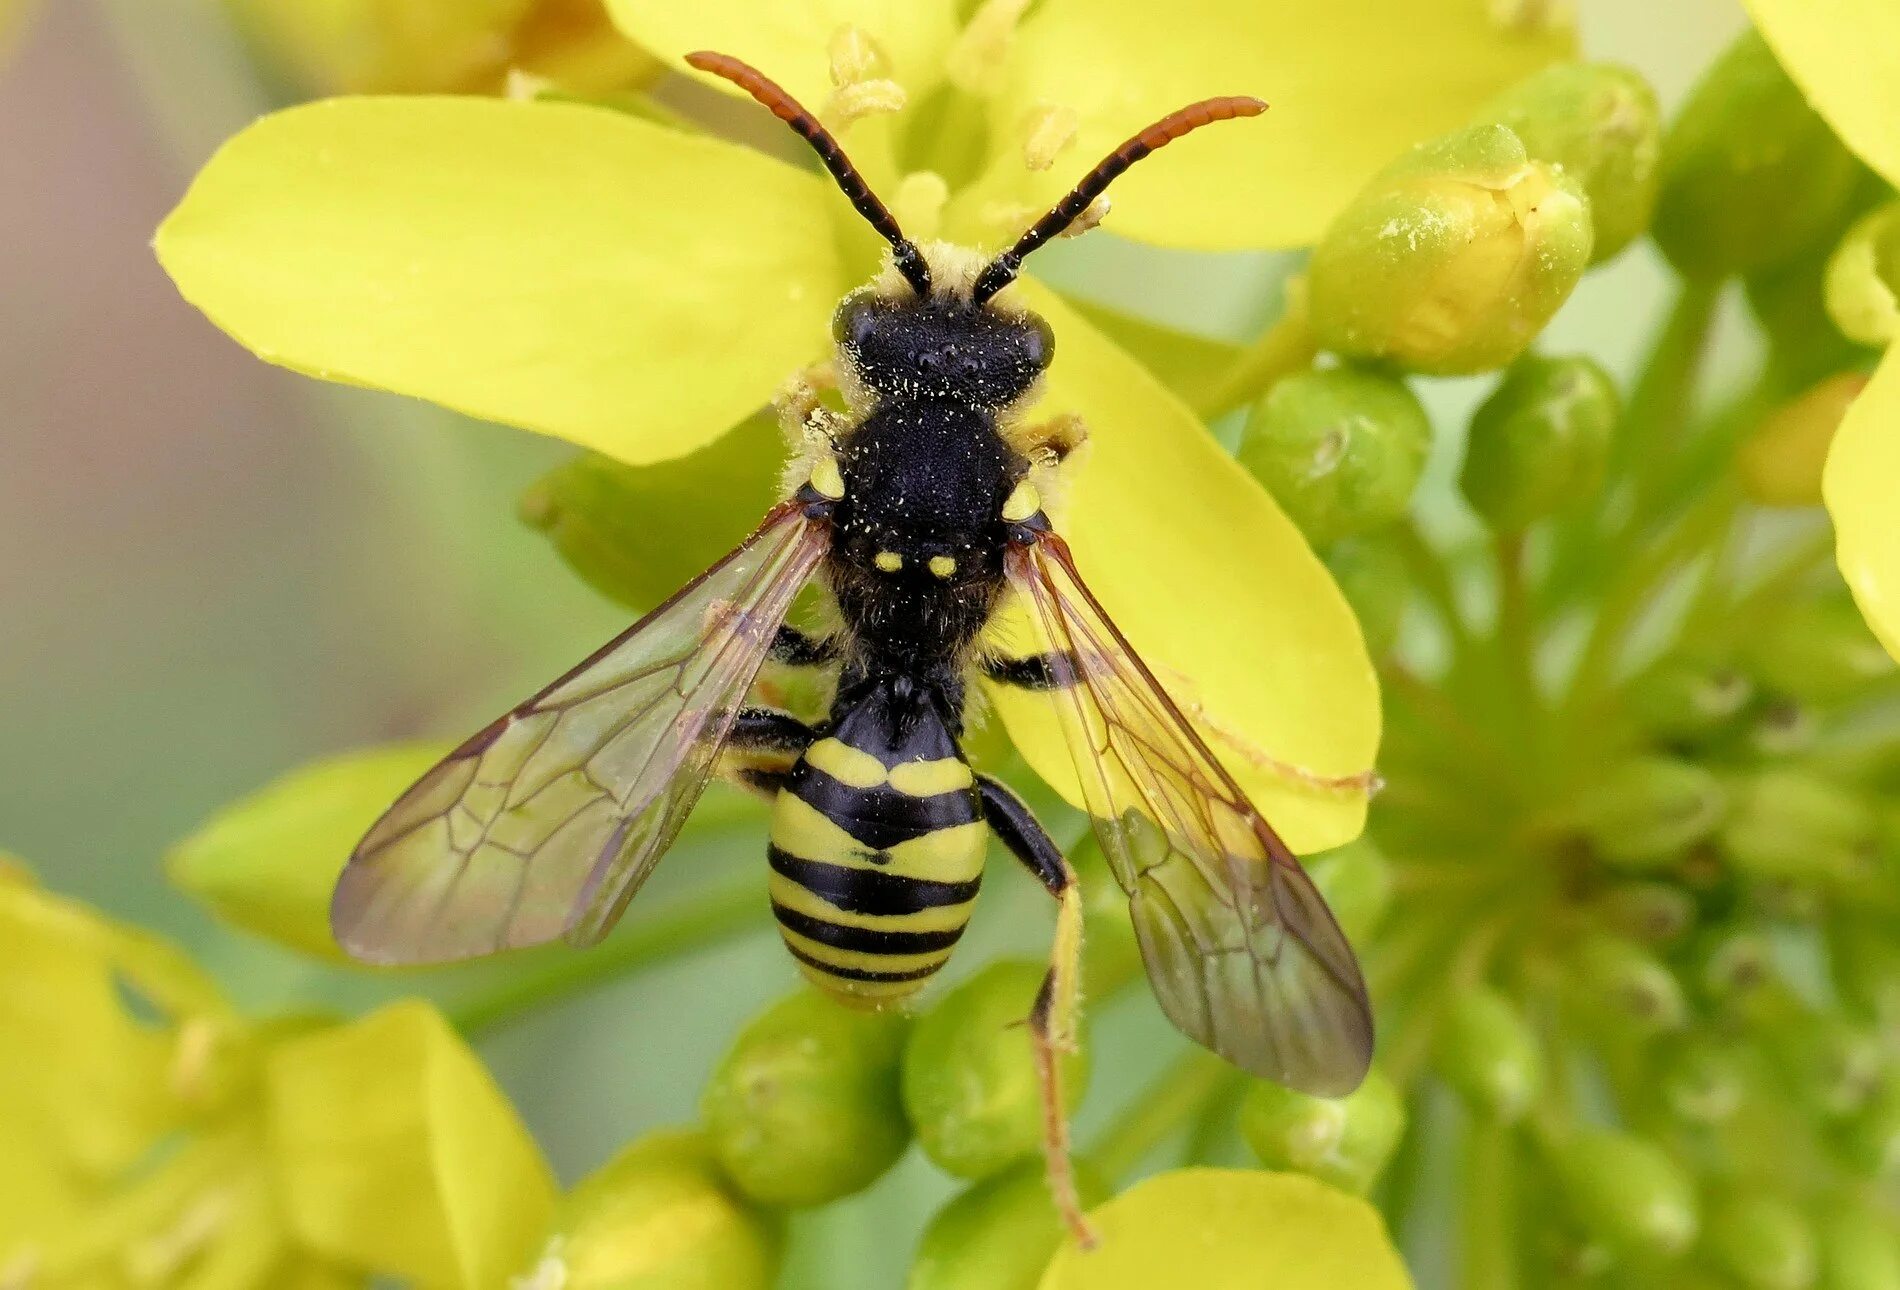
<point>920,515</point>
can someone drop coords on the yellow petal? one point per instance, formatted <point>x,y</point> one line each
<point>1859,487</point>
<point>791,43</point>
<point>1352,83</point>
<point>1845,55</point>
<point>1214,587</point>
<point>567,269</point>
<point>396,1153</point>
<point>1232,1229</point>
<point>268,861</point>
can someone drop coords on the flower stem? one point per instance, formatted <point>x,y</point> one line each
<point>1182,1092</point>
<point>1657,413</point>
<point>1489,1259</point>
<point>1281,350</point>
<point>693,923</point>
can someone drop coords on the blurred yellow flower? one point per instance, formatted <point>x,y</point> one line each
<point>638,290</point>
<point>1845,55</point>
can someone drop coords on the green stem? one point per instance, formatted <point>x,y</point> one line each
<point>1278,352</point>
<point>1657,414</point>
<point>1181,1093</point>
<point>693,923</point>
<point>1489,1254</point>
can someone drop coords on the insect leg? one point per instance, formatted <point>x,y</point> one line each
<point>1037,672</point>
<point>1052,1019</point>
<point>762,747</point>
<point>798,649</point>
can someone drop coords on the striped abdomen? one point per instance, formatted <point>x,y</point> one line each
<point>877,851</point>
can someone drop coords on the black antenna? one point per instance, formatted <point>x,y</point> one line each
<point>1001,271</point>
<point>910,261</point>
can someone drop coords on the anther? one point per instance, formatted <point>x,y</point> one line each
<point>855,57</point>
<point>854,102</point>
<point>1050,131</point>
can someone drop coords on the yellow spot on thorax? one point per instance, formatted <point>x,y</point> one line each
<point>889,561</point>
<point>1022,502</point>
<point>826,480</point>
<point>943,565</point>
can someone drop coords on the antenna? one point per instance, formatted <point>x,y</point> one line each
<point>910,261</point>
<point>1001,271</point>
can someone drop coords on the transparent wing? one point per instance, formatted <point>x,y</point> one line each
<point>1242,951</point>
<point>546,823</point>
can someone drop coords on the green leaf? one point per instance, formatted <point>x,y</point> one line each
<point>268,861</point>
<point>1232,1229</point>
<point>568,269</point>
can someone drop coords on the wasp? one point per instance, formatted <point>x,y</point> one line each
<point>920,514</point>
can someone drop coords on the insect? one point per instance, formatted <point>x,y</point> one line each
<point>920,514</point>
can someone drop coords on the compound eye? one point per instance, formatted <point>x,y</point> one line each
<point>857,314</point>
<point>1039,341</point>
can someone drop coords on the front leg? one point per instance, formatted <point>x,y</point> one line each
<point>795,648</point>
<point>1057,671</point>
<point>1053,1017</point>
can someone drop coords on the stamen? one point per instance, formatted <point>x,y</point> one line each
<point>919,202</point>
<point>856,58</point>
<point>975,62</point>
<point>1093,214</point>
<point>1050,132</point>
<point>854,102</point>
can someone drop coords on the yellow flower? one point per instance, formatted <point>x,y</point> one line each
<point>639,290</point>
<point>1845,54</point>
<point>147,1129</point>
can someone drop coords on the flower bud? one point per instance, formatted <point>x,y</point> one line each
<point>1373,575</point>
<point>1832,1067</point>
<point>1863,277</point>
<point>660,1214</point>
<point>970,1084</point>
<point>805,1108</point>
<point>1488,1054</point>
<point>998,1234</point>
<point>1628,982</point>
<point>1600,124</point>
<point>1797,824</point>
<point>1681,698</point>
<point>1750,173</point>
<point>1356,880</point>
<point>636,534</point>
<point>1539,443</point>
<point>1343,1141</point>
<point>1871,1139</point>
<point>1819,651</point>
<point>1453,258</point>
<point>1867,970</point>
<point>1780,728</point>
<point>1733,964</point>
<point>1646,812</point>
<point>1702,1081</point>
<point>1341,449</point>
<point>1859,1247</point>
<point>1761,1241</point>
<point>1626,1192</point>
<point>1780,463</point>
<point>1653,913</point>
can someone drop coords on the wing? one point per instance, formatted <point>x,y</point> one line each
<point>1242,951</point>
<point>546,823</point>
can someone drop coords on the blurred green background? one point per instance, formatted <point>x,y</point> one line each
<point>212,571</point>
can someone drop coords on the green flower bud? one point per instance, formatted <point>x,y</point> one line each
<point>1780,463</point>
<point>660,1216</point>
<point>1781,728</point>
<point>1343,1141</point>
<point>1750,172</point>
<point>1539,443</point>
<point>1654,913</point>
<point>1356,880</point>
<point>1453,258</point>
<point>1831,1066</point>
<point>805,1108</point>
<point>1860,1249</point>
<point>1819,651</point>
<point>1340,449</point>
<point>1628,982</point>
<point>1867,969</point>
<point>1799,825</point>
<point>970,1084</point>
<point>1487,1052</point>
<point>1600,124</point>
<point>1871,1139</point>
<point>998,1234</point>
<point>1626,1192</point>
<point>1761,1241</point>
<point>1734,964</point>
<point>636,534</point>
<point>1702,1081</point>
<point>1863,277</point>
<point>1646,812</point>
<point>1376,580</point>
<point>1680,698</point>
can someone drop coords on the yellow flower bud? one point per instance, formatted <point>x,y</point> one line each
<point>660,1216</point>
<point>1861,277</point>
<point>1453,258</point>
<point>1780,463</point>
